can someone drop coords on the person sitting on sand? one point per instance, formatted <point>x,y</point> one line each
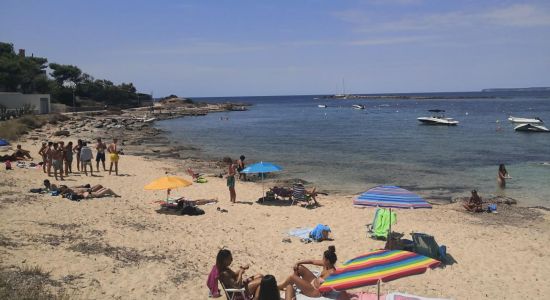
<point>305,280</point>
<point>475,204</point>
<point>232,279</point>
<point>268,289</point>
<point>21,153</point>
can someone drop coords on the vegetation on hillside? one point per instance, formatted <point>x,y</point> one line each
<point>30,75</point>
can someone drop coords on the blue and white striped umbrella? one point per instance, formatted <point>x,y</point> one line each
<point>391,197</point>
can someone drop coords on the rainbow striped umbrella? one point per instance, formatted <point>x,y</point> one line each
<point>376,266</point>
<point>392,197</point>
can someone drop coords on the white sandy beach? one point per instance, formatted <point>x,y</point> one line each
<point>122,248</point>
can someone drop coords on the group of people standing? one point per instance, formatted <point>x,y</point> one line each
<point>60,157</point>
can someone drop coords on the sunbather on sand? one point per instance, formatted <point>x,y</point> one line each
<point>305,280</point>
<point>96,191</point>
<point>232,279</point>
<point>21,153</point>
<point>475,204</point>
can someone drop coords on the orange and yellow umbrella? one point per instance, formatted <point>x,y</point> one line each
<point>167,183</point>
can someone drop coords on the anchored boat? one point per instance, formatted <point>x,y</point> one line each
<point>438,118</point>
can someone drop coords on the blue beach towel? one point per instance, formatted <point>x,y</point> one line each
<point>317,232</point>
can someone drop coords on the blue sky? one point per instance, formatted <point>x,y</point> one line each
<point>283,47</point>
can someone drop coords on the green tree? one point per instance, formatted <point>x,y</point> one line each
<point>65,73</point>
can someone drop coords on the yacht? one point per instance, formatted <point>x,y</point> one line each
<point>322,106</point>
<point>528,127</point>
<point>358,106</point>
<point>525,120</point>
<point>438,118</point>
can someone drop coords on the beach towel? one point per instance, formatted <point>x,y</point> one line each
<point>212,282</point>
<point>300,232</point>
<point>364,296</point>
<point>401,296</point>
<point>317,233</point>
<point>381,225</point>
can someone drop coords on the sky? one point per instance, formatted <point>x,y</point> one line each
<point>285,47</point>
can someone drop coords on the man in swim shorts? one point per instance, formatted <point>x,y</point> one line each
<point>57,161</point>
<point>113,156</point>
<point>100,156</point>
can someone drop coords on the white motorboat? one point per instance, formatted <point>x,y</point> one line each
<point>525,120</point>
<point>358,106</point>
<point>322,106</point>
<point>438,118</point>
<point>528,127</point>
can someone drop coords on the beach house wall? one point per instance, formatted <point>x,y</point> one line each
<point>40,103</point>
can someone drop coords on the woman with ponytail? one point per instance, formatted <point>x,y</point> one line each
<point>305,280</point>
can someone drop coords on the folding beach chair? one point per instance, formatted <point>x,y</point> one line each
<point>380,226</point>
<point>299,194</point>
<point>234,294</point>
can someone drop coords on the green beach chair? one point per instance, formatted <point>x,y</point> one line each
<point>380,226</point>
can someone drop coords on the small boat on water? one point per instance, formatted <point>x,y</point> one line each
<point>516,120</point>
<point>358,106</point>
<point>438,118</point>
<point>528,127</point>
<point>322,106</point>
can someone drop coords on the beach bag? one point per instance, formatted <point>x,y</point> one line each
<point>192,211</point>
<point>425,244</point>
<point>74,197</point>
<point>35,190</point>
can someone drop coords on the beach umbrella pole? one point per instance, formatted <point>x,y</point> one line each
<point>378,292</point>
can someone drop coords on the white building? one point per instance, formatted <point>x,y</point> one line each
<point>40,103</point>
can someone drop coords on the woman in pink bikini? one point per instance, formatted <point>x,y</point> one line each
<point>305,280</point>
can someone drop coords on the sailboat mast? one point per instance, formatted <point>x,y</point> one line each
<point>343,87</point>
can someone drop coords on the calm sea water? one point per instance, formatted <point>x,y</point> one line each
<point>346,150</point>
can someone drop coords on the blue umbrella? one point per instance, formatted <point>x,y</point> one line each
<point>4,142</point>
<point>262,167</point>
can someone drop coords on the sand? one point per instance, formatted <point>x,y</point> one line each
<point>123,248</point>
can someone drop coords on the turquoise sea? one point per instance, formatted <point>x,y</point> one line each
<point>344,150</point>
